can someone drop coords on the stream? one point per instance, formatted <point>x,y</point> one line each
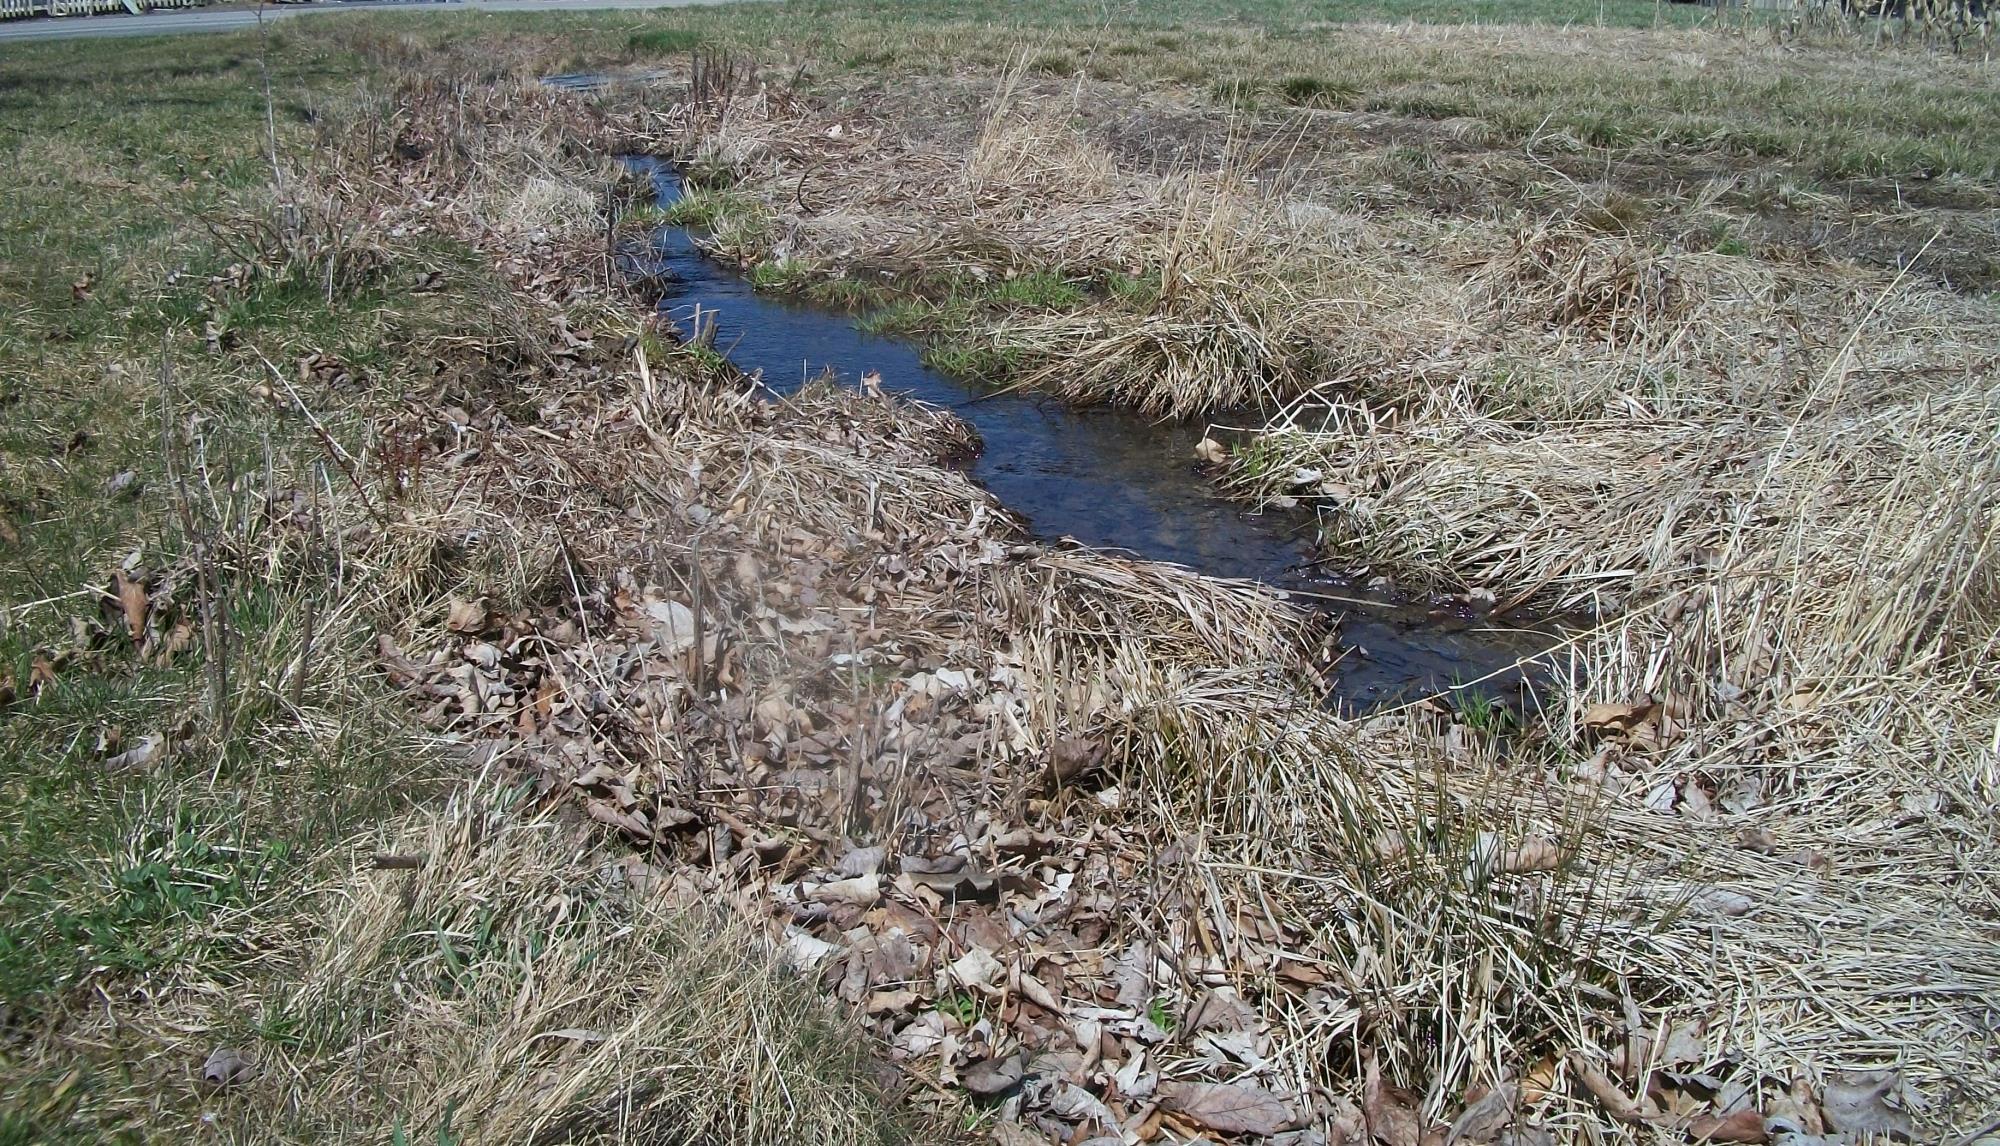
<point>1101,477</point>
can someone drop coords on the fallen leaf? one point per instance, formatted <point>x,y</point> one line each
<point>672,625</point>
<point>861,891</point>
<point>1211,451</point>
<point>1797,1107</point>
<point>1540,1080</point>
<point>890,1002</point>
<point>1390,1111</point>
<point>133,602</point>
<point>632,823</point>
<point>1220,1010</point>
<point>227,1066</point>
<point>1073,1103</point>
<point>1533,853</point>
<point>1757,840</point>
<point>1482,1121</point>
<point>993,1077</point>
<point>466,616</point>
<point>1721,902</point>
<point>1038,993</point>
<point>1015,1134</point>
<point>1685,1045</point>
<point>960,882</point>
<point>802,951</point>
<point>861,861</point>
<point>142,755</point>
<point>1745,1125</point>
<point>1866,1102</point>
<point>921,1037</point>
<point>975,968</point>
<point>1607,718</point>
<point>1229,1107</point>
<point>1073,757</point>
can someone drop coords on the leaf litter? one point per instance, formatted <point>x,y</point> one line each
<point>792,661</point>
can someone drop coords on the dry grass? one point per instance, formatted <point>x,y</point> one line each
<point>522,987</point>
<point>1809,600</point>
<point>521,983</point>
<point>1776,477</point>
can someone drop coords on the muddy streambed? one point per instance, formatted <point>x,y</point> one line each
<point>1104,478</point>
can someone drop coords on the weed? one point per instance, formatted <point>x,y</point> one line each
<point>779,276</point>
<point>1053,64</point>
<point>665,41</point>
<point>961,1006</point>
<point>1139,292</point>
<point>1036,290</point>
<point>1317,91</point>
<point>902,318</point>
<point>1240,93</point>
<point>1482,712</point>
<point>854,296</point>
<point>973,361</point>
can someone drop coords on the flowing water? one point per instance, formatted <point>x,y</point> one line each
<point>1105,478</point>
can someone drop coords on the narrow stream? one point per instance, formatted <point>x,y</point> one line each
<point>1105,478</point>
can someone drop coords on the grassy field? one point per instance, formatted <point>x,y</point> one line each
<point>1620,308</point>
<point>197,754</point>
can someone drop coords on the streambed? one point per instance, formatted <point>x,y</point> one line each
<point>1101,477</point>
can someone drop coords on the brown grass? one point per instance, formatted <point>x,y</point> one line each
<point>1805,597</point>
<point>1774,482</point>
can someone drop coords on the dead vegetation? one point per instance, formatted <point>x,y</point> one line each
<point>1771,476</point>
<point>1074,836</point>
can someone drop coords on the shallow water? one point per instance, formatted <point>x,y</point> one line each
<point>1105,478</point>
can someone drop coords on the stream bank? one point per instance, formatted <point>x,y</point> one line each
<point>1100,477</point>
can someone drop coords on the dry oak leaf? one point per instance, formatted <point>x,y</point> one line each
<point>1230,1107</point>
<point>1391,1111</point>
<point>993,1077</point>
<point>860,891</point>
<point>465,616</point>
<point>1606,717</point>
<point>1866,1102</point>
<point>1483,1120</point>
<point>1746,1125</point>
<point>144,754</point>
<point>1533,853</point>
<point>227,1066</point>
<point>133,602</point>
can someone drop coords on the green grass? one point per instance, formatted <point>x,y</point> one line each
<point>1529,70</point>
<point>780,276</point>
<point>975,361</point>
<point>664,41</point>
<point>1317,91</point>
<point>1239,92</point>
<point>155,875</point>
<point>130,164</point>
<point>1035,290</point>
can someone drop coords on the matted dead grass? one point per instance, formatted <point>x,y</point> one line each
<point>1074,834</point>
<point>1778,477</point>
